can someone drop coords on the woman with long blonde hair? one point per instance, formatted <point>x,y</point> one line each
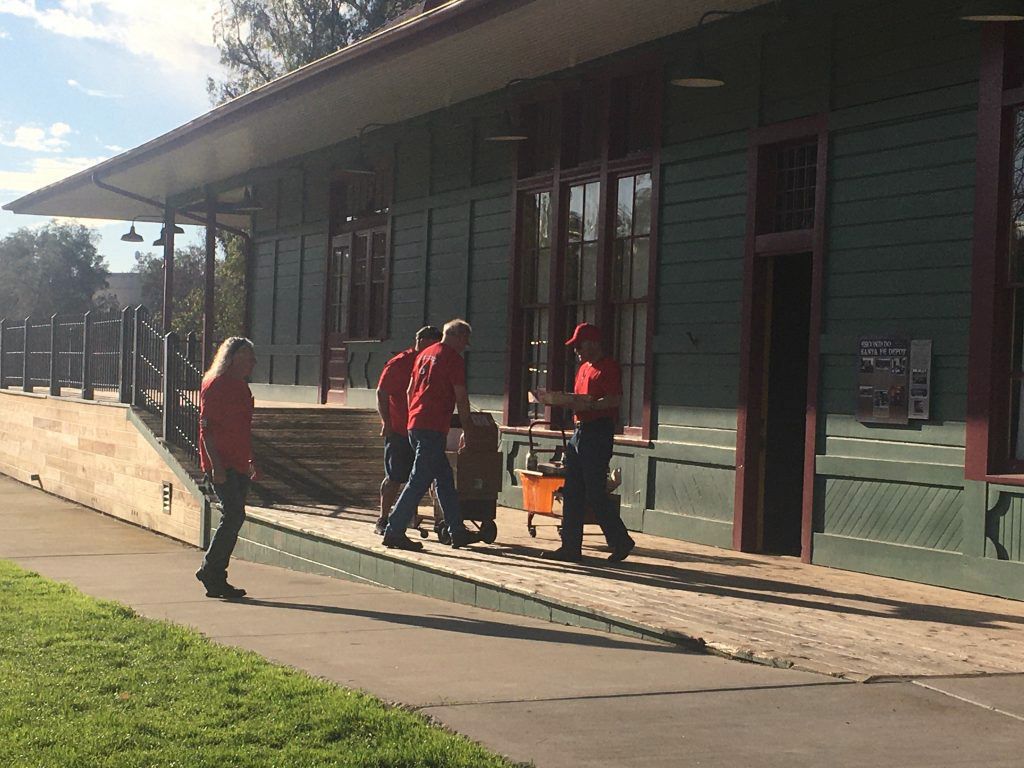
<point>225,454</point>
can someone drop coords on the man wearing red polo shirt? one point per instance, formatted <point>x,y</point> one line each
<point>393,407</point>
<point>437,387</point>
<point>595,403</point>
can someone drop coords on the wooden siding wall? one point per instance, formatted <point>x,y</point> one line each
<point>899,82</point>
<point>450,230</point>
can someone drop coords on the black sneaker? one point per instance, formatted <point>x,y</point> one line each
<point>380,526</point>
<point>563,555</point>
<point>219,587</point>
<point>462,536</point>
<point>401,541</point>
<point>621,552</point>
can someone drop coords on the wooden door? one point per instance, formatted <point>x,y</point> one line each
<point>339,278</point>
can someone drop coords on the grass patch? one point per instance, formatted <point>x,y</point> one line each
<point>88,683</point>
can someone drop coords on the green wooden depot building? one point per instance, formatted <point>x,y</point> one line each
<point>798,222</point>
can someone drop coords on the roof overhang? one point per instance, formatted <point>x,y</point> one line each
<point>461,50</point>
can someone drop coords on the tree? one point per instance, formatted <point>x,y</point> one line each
<point>260,40</point>
<point>54,269</point>
<point>189,287</point>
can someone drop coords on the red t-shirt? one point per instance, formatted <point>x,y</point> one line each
<point>225,403</point>
<point>437,371</point>
<point>598,380</point>
<point>394,380</point>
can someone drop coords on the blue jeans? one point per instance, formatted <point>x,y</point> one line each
<point>232,493</point>
<point>586,483</point>
<point>429,464</point>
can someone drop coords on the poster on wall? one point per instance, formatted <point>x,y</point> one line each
<point>882,381</point>
<point>920,378</point>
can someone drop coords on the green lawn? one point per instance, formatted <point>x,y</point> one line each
<point>88,683</point>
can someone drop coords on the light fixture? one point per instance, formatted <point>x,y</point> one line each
<point>506,130</point>
<point>700,74</point>
<point>131,236</point>
<point>160,240</point>
<point>993,10</point>
<point>248,203</point>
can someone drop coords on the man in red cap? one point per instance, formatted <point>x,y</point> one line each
<point>595,403</point>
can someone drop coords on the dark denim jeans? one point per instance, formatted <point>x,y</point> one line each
<point>232,493</point>
<point>429,464</point>
<point>586,482</point>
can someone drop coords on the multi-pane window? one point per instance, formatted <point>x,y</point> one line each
<point>359,276</point>
<point>794,173</point>
<point>631,269</point>
<point>535,294</point>
<point>592,260</point>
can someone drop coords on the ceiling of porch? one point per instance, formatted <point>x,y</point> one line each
<point>461,50</point>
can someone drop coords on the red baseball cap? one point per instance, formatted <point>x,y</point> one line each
<point>584,332</point>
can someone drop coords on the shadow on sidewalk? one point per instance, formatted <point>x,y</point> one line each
<point>478,627</point>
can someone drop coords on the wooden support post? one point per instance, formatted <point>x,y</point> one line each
<point>26,382</point>
<point>168,308</point>
<point>209,274</point>
<point>126,358</point>
<point>54,357</point>
<point>87,356</point>
<point>168,388</point>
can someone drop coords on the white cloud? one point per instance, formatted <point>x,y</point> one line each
<point>176,33</point>
<point>5,35</point>
<point>42,171</point>
<point>36,139</point>
<point>93,92</point>
<point>115,148</point>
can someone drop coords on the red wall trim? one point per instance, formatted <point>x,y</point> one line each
<point>981,391</point>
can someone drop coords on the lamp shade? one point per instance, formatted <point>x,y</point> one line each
<point>248,203</point>
<point>993,10</point>
<point>131,236</point>
<point>700,74</point>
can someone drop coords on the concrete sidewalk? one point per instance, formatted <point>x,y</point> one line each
<point>554,695</point>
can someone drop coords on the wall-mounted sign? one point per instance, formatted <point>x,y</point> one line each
<point>882,383</point>
<point>920,378</point>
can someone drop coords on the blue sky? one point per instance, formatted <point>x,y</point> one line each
<point>83,80</point>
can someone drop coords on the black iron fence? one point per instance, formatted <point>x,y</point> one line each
<point>122,355</point>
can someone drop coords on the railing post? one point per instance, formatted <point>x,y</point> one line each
<point>124,365</point>
<point>140,314</point>
<point>26,382</point>
<point>170,347</point>
<point>54,357</point>
<point>192,347</point>
<point>87,356</point>
<point>3,332</point>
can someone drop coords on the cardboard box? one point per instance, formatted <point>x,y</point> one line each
<point>478,474</point>
<point>481,433</point>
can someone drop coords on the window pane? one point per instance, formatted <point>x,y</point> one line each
<point>588,279</point>
<point>1017,210</point>
<point>642,205</point>
<point>543,217</point>
<point>624,208</point>
<point>636,400</point>
<point>593,200</point>
<point>535,358</point>
<point>620,269</point>
<point>543,292</point>
<point>641,267</point>
<point>576,213</point>
<point>572,272</point>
